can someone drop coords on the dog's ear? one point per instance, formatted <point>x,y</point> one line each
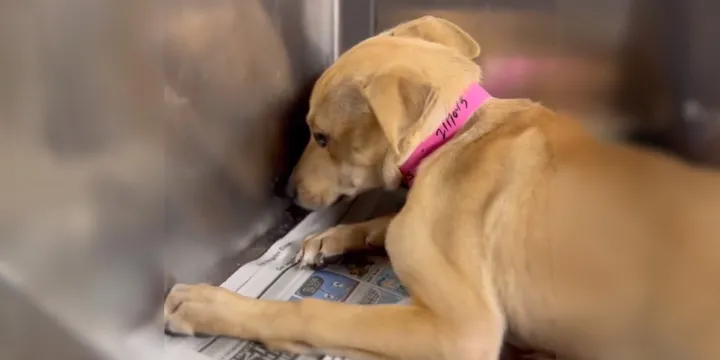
<point>439,31</point>
<point>400,103</point>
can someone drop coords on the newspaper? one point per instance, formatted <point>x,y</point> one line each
<point>275,276</point>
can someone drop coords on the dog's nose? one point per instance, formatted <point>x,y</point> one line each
<point>291,190</point>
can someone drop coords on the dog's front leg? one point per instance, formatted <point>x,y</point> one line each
<point>319,249</point>
<point>379,331</point>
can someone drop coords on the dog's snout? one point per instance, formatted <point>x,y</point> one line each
<point>291,190</point>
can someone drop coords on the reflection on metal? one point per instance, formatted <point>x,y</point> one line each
<point>136,134</point>
<point>139,135</point>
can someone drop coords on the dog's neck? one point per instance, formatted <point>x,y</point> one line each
<point>464,110</point>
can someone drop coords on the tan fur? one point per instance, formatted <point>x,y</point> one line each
<point>523,222</point>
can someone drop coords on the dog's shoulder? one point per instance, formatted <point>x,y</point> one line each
<point>509,142</point>
<point>510,135</point>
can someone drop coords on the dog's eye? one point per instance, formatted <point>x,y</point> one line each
<point>320,139</point>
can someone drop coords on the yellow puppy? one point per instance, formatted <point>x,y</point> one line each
<point>520,222</point>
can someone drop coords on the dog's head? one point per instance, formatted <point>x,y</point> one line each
<point>376,103</point>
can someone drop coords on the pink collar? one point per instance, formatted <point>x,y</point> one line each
<point>474,97</point>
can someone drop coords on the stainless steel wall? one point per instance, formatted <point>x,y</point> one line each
<point>138,136</point>
<point>642,70</point>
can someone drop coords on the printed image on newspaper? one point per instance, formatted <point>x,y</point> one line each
<point>275,276</point>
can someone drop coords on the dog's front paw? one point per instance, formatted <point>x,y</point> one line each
<point>329,246</point>
<point>198,310</point>
<point>320,249</point>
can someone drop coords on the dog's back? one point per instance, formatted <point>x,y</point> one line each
<point>606,250</point>
<point>620,254</point>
